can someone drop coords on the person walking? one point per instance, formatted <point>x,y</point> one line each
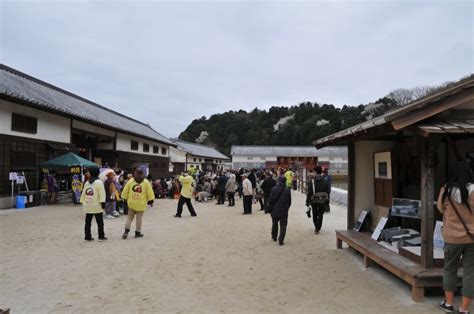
<point>456,203</point>
<point>267,186</point>
<point>138,193</point>
<point>247,191</point>
<point>279,204</point>
<point>187,189</point>
<point>93,203</point>
<point>230,190</point>
<point>317,191</point>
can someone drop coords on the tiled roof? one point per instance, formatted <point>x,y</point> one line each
<point>38,94</point>
<point>287,151</point>
<point>200,150</point>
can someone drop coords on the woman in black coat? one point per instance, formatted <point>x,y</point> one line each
<point>278,205</point>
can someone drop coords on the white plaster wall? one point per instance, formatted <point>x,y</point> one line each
<point>197,162</point>
<point>241,158</point>
<point>51,127</point>
<point>92,128</point>
<point>177,156</point>
<point>364,172</point>
<point>124,143</point>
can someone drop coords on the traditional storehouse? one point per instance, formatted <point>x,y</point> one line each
<point>39,121</point>
<point>197,156</point>
<point>254,156</point>
<point>397,164</point>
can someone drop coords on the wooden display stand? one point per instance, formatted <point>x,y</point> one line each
<point>404,268</point>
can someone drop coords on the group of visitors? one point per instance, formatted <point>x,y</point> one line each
<point>102,194</point>
<point>112,190</point>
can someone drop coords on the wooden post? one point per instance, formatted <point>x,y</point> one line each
<point>351,187</point>
<point>427,152</point>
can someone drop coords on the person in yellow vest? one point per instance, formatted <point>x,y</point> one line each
<point>138,193</point>
<point>289,178</point>
<point>93,203</point>
<point>187,190</point>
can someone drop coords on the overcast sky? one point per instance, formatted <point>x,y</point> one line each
<point>168,63</point>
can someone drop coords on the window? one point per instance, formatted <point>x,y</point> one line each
<point>155,149</point>
<point>199,159</point>
<point>163,151</point>
<point>146,148</point>
<point>249,158</point>
<point>262,158</point>
<point>25,124</point>
<point>194,159</point>
<point>134,145</point>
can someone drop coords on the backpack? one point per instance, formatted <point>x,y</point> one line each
<point>320,198</point>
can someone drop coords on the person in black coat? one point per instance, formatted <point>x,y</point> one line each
<point>279,204</point>
<point>317,196</point>
<point>221,189</point>
<point>267,187</point>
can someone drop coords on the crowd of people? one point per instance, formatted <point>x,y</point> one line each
<point>110,192</point>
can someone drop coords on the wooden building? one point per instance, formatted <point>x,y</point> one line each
<point>197,156</point>
<point>39,121</point>
<point>296,157</point>
<point>406,154</point>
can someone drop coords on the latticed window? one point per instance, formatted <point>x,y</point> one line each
<point>25,124</point>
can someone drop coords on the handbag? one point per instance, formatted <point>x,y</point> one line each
<point>460,218</point>
<point>269,208</point>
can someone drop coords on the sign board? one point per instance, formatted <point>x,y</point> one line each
<point>13,176</point>
<point>76,185</point>
<point>20,180</point>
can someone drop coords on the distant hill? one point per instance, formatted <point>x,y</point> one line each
<point>295,125</point>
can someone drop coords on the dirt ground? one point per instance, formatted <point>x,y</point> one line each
<point>219,261</point>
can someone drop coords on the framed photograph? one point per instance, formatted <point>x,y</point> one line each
<point>360,220</point>
<point>383,165</point>
<point>402,207</point>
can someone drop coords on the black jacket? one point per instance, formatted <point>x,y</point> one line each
<point>221,183</point>
<point>281,206</point>
<point>267,186</point>
<point>253,179</point>
<point>320,185</point>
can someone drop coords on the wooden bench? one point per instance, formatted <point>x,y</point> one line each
<point>405,269</point>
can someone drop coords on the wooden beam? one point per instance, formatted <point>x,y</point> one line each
<point>351,186</point>
<point>433,109</point>
<point>428,148</point>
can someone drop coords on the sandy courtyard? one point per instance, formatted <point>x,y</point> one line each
<point>220,261</point>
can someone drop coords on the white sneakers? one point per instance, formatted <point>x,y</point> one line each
<point>109,217</point>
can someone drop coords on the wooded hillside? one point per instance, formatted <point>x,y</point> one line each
<point>295,125</point>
